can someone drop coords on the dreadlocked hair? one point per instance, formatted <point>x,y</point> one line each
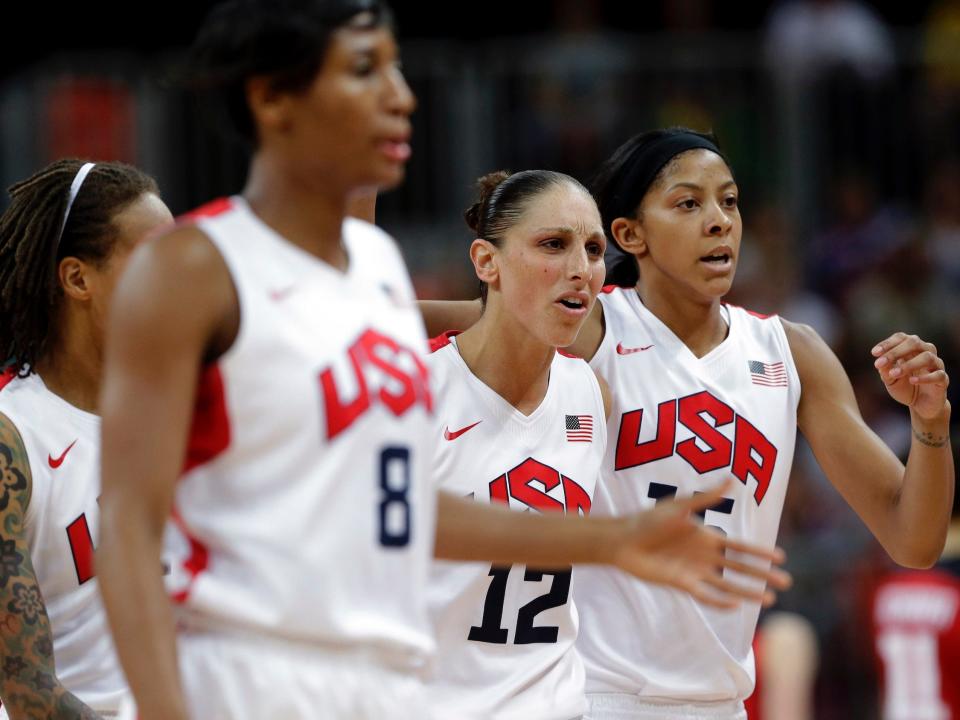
<point>31,245</point>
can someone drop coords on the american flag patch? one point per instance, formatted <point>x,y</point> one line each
<point>767,374</point>
<point>579,428</point>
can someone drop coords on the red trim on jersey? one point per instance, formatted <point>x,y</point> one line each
<point>752,703</point>
<point>81,548</point>
<point>195,564</point>
<point>211,209</point>
<point>569,355</point>
<point>607,289</point>
<point>751,312</point>
<point>442,340</point>
<point>8,375</point>
<point>210,428</point>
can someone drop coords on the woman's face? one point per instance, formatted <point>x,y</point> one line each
<point>690,227</point>
<point>351,126</point>
<point>132,225</point>
<point>550,265</point>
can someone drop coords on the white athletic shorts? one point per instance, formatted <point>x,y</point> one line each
<point>622,706</point>
<point>226,677</point>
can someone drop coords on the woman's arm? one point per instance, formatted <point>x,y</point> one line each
<point>907,509</point>
<point>790,657</point>
<point>662,545</point>
<point>29,686</point>
<point>442,315</point>
<point>172,302</point>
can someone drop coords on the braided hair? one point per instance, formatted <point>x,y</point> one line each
<point>32,245</point>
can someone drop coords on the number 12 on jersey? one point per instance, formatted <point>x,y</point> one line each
<point>489,629</point>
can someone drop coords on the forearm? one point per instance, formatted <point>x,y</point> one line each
<point>926,494</point>
<point>468,530</point>
<point>30,687</point>
<point>141,617</point>
<point>25,701</point>
<point>442,315</point>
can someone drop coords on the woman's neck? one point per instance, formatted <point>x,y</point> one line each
<point>72,368</point>
<point>699,324</point>
<point>304,213</point>
<point>508,360</point>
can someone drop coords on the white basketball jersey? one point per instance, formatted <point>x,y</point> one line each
<point>304,512</point>
<point>506,635</point>
<point>681,424</point>
<point>62,521</point>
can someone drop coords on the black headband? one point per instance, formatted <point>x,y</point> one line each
<point>646,162</point>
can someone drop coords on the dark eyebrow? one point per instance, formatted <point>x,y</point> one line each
<point>694,186</point>
<point>566,230</point>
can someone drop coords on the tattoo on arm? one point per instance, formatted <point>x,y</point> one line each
<point>929,439</point>
<point>28,683</point>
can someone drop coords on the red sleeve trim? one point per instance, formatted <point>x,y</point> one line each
<point>195,564</point>
<point>751,312</point>
<point>442,340</point>
<point>8,375</point>
<point>211,209</point>
<point>210,429</point>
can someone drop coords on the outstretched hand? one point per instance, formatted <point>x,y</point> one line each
<point>913,373</point>
<point>666,545</point>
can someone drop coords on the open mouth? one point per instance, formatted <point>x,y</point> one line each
<point>719,259</point>
<point>572,303</point>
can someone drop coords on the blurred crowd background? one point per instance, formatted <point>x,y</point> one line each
<point>841,119</point>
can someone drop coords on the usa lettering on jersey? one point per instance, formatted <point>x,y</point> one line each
<point>683,421</point>
<point>520,484</point>
<point>750,454</point>
<point>380,369</point>
<point>511,629</point>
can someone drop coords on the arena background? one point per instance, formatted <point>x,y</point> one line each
<point>841,119</point>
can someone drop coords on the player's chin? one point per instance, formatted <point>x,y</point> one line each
<point>718,287</point>
<point>563,334</point>
<point>390,174</point>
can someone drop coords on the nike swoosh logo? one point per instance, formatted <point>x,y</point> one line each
<point>454,435</point>
<point>621,350</point>
<point>57,462</point>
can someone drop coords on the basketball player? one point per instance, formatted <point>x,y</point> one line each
<point>522,425</point>
<point>265,391</point>
<point>916,634</point>
<point>739,386</point>
<point>704,390</point>
<point>63,241</point>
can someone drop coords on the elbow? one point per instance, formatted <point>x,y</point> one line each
<point>921,556</point>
